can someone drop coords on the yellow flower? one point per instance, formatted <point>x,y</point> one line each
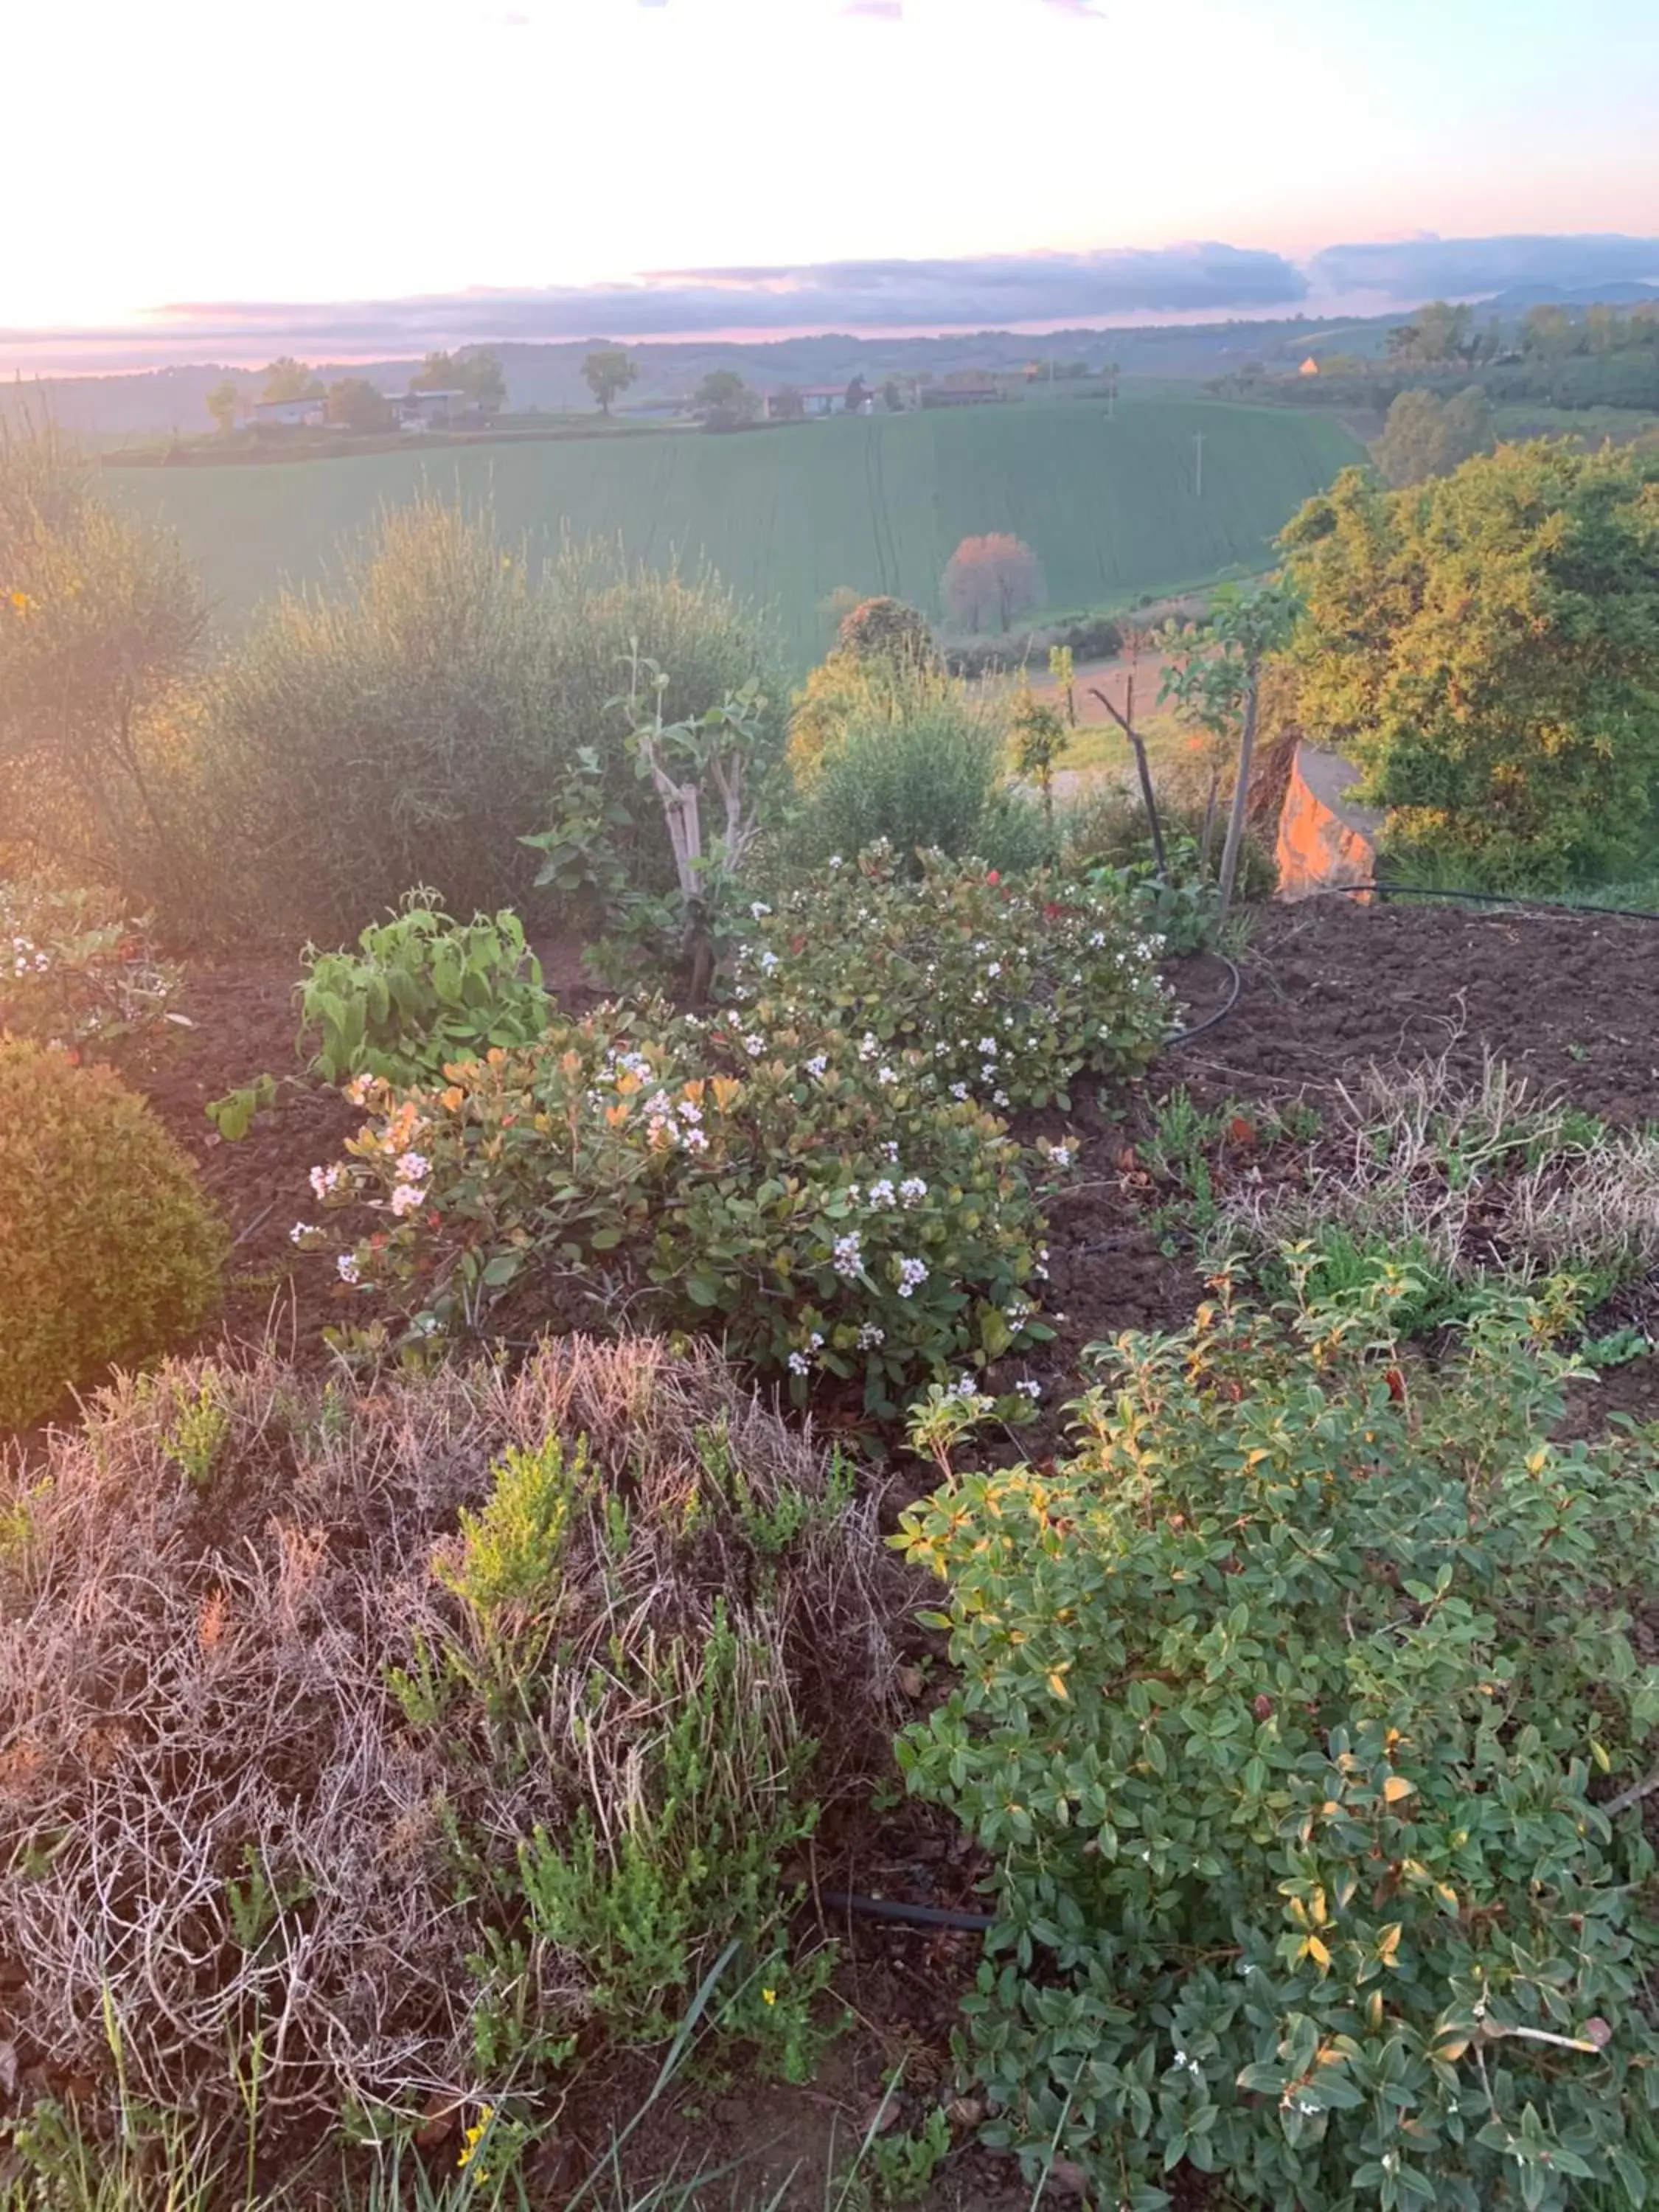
<point>475,2135</point>
<point>770,1997</point>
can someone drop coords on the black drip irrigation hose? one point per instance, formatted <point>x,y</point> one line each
<point>908,1916</point>
<point>1535,906</point>
<point>1186,1036</point>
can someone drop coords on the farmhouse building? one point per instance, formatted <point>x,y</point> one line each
<point>435,411</point>
<point>817,401</point>
<point>291,414</point>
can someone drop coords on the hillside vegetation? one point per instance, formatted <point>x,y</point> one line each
<point>876,504</point>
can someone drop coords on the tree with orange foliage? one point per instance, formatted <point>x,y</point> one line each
<point>995,575</point>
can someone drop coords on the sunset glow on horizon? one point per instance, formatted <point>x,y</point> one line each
<point>376,151</point>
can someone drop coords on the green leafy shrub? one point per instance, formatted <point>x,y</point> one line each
<point>75,970</point>
<point>801,1191</point>
<point>112,1252</point>
<point>1011,989</point>
<point>1105,824</point>
<point>1284,1710</point>
<point>421,990</point>
<point>477,1714</point>
<point>918,760</point>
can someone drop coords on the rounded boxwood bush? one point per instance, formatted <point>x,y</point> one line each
<point>112,1252</point>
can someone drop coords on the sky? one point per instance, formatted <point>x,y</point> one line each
<point>196,179</point>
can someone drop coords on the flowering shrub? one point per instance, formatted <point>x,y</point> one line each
<point>421,989</point>
<point>75,971</point>
<point>1010,990</point>
<point>814,1199</point>
<point>1284,1712</point>
<point>111,1254</point>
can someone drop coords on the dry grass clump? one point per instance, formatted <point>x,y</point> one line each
<point>1465,1178</point>
<point>292,1671</point>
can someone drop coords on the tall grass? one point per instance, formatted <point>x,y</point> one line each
<point>415,719</point>
<point>392,730</point>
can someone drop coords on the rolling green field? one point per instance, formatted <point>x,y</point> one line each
<point>877,503</point>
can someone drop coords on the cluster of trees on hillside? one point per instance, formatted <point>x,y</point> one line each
<point>352,402</point>
<point>1555,356</point>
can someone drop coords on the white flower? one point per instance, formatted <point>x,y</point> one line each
<point>882,1195</point>
<point>966,1387</point>
<point>815,1342</point>
<point>348,1270</point>
<point>696,1141</point>
<point>987,1045</point>
<point>659,1104</point>
<point>913,1190</point>
<point>1060,1155</point>
<point>994,969</point>
<point>799,1363</point>
<point>1031,1390</point>
<point>754,1046</point>
<point>999,1099</point>
<point>834,859</point>
<point>768,961</point>
<point>868,1047</point>
<point>689,1110</point>
<point>849,1254</point>
<point>888,1151</point>
<point>1097,940</point>
<point>324,1182</point>
<point>958,1091</point>
<point>412,1168</point>
<point>300,1231</point>
<point>870,1338</point>
<point>885,1075</point>
<point>818,1063</point>
<point>406,1198</point>
<point>358,1089</point>
<point>759,912</point>
<point>911,1274</point>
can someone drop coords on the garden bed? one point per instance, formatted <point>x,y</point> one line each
<point>1328,989</point>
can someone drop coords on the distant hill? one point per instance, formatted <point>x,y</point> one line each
<point>155,402</point>
<point>1621,292</point>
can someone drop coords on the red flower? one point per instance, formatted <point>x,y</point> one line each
<point>993,877</point>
